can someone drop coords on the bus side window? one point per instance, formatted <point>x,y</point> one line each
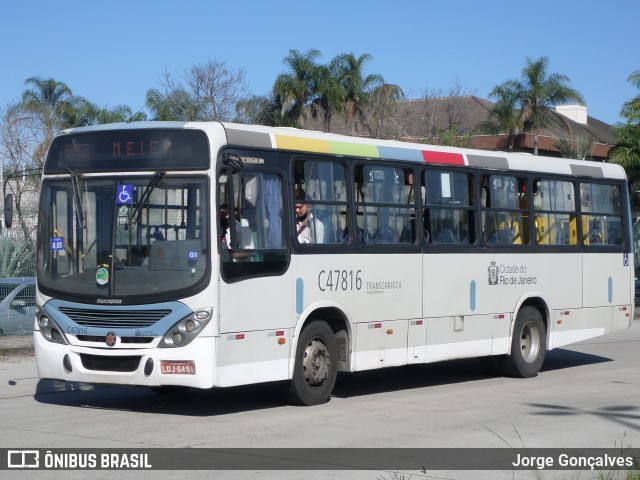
<point>555,212</point>
<point>320,187</point>
<point>601,212</point>
<point>505,217</point>
<point>385,201</point>
<point>449,209</point>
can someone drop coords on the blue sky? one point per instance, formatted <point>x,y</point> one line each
<point>112,51</point>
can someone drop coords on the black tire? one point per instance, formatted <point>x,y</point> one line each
<point>528,344</point>
<point>493,365</point>
<point>316,366</point>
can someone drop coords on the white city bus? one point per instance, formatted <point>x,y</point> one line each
<point>170,255</point>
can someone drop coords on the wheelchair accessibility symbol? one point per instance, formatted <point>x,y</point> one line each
<point>125,194</point>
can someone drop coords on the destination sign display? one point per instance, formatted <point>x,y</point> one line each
<point>122,150</point>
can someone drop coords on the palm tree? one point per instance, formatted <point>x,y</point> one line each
<point>506,117</point>
<point>176,105</point>
<point>329,95</point>
<point>297,86</point>
<point>626,151</point>
<point>631,109</point>
<point>49,101</point>
<point>356,86</point>
<point>536,91</point>
<point>96,115</point>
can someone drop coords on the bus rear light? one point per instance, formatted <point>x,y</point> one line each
<point>282,341</point>
<point>240,336</point>
<point>390,331</point>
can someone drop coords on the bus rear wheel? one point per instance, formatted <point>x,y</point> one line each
<point>528,344</point>
<point>315,369</point>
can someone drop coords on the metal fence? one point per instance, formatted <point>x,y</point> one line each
<point>17,278</point>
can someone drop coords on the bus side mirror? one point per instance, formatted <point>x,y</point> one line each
<point>8,210</point>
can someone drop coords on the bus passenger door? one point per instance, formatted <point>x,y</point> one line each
<point>256,286</point>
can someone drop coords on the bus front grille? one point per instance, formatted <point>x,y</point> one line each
<point>103,339</point>
<point>110,364</point>
<point>114,318</point>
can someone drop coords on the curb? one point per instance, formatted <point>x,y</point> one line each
<point>16,346</point>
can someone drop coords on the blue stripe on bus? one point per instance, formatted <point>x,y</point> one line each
<point>400,153</point>
<point>299,295</point>
<point>472,295</point>
<point>610,290</point>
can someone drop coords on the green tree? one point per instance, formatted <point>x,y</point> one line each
<point>626,151</point>
<point>329,94</point>
<point>356,85</point>
<point>175,104</point>
<point>297,86</point>
<point>262,110</point>
<point>86,113</point>
<point>506,117</point>
<point>579,149</point>
<point>536,91</point>
<point>49,102</point>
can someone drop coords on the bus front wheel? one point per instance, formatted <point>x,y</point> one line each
<point>528,344</point>
<point>315,369</point>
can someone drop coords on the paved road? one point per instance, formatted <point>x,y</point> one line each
<point>588,395</point>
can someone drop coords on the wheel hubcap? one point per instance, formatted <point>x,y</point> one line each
<point>530,342</point>
<point>316,363</point>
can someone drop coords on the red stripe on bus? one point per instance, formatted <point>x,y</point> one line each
<point>443,157</point>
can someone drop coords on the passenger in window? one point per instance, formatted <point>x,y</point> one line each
<point>308,228</point>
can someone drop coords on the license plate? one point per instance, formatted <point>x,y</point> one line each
<point>174,367</point>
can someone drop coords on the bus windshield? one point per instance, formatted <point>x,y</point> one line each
<point>123,237</point>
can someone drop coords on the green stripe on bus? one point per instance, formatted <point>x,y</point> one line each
<point>354,149</point>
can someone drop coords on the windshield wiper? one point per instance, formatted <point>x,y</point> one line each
<point>77,201</point>
<point>144,198</point>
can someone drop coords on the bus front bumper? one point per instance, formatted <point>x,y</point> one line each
<point>191,366</point>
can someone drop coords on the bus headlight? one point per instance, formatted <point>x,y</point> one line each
<point>183,332</point>
<point>49,329</point>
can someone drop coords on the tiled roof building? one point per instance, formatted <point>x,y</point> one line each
<point>422,120</point>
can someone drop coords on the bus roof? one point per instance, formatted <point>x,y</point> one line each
<point>320,142</point>
<point>294,139</point>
